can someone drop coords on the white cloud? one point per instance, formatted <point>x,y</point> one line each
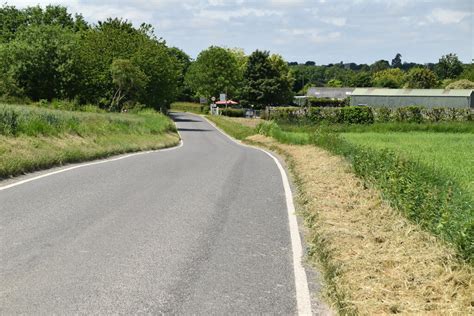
<point>445,16</point>
<point>337,21</point>
<point>311,35</point>
<point>226,15</point>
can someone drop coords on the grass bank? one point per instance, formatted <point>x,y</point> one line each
<point>37,138</point>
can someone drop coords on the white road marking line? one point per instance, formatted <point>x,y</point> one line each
<point>303,298</point>
<point>8,186</point>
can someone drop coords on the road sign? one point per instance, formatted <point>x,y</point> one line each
<point>222,97</point>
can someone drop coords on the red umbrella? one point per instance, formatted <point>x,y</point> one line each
<point>227,102</point>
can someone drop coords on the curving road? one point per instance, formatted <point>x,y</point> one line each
<point>200,229</point>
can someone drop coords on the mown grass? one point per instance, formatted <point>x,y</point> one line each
<point>37,138</point>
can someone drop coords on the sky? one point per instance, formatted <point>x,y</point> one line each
<point>324,31</point>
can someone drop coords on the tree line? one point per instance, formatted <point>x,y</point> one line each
<point>48,53</point>
<point>448,72</point>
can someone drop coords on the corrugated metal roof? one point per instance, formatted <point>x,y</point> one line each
<point>338,93</point>
<point>413,92</point>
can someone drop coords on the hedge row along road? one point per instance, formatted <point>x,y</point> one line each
<point>203,229</point>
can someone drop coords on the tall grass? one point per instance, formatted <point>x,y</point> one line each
<point>33,138</point>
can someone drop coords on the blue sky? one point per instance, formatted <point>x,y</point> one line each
<point>325,31</point>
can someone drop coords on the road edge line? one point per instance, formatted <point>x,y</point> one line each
<point>88,164</point>
<point>303,298</point>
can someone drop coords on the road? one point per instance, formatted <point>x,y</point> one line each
<point>201,229</point>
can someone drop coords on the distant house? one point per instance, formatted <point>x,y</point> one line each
<point>430,98</point>
<point>329,93</point>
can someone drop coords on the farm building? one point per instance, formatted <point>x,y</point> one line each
<point>329,93</point>
<point>430,98</point>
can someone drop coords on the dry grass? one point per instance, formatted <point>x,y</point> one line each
<point>381,263</point>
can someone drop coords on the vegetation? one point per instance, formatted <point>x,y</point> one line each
<point>37,138</point>
<point>48,54</point>
<point>366,115</point>
<point>189,107</point>
<point>233,128</point>
<point>398,74</point>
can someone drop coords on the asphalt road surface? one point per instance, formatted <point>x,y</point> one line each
<point>201,229</point>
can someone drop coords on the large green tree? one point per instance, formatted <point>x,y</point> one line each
<point>268,80</point>
<point>389,78</point>
<point>421,78</point>
<point>216,70</point>
<point>449,67</point>
<point>41,60</point>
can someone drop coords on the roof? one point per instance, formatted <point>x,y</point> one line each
<point>333,93</point>
<point>413,92</point>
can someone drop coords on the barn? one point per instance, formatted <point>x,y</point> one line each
<point>429,98</point>
<point>329,93</point>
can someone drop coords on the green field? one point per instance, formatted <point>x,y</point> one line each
<point>451,152</point>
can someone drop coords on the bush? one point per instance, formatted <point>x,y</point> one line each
<point>410,114</point>
<point>232,112</point>
<point>357,115</point>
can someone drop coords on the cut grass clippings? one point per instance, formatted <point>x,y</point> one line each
<point>374,260</point>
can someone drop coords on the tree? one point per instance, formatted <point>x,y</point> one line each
<point>128,79</point>
<point>397,61</point>
<point>461,84</point>
<point>310,63</point>
<point>379,66</point>
<point>389,78</point>
<point>42,61</point>
<point>468,72</point>
<point>335,83</point>
<point>268,80</point>
<point>449,67</point>
<point>184,61</point>
<point>420,78</point>
<point>361,79</point>
<point>216,70</point>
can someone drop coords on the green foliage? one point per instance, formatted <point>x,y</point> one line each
<point>41,63</point>
<point>267,80</point>
<point>461,84</point>
<point>379,65</point>
<point>128,79</point>
<point>421,78</point>
<point>190,107</point>
<point>216,70</point>
<point>335,83</point>
<point>389,78</point>
<point>232,112</point>
<point>367,115</point>
<point>449,66</point>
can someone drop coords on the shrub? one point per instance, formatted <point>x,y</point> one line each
<point>232,112</point>
<point>410,114</point>
<point>357,115</point>
<point>382,115</point>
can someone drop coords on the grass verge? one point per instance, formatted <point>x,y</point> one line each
<point>374,261</point>
<point>232,126</point>
<point>33,138</point>
<point>188,107</point>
